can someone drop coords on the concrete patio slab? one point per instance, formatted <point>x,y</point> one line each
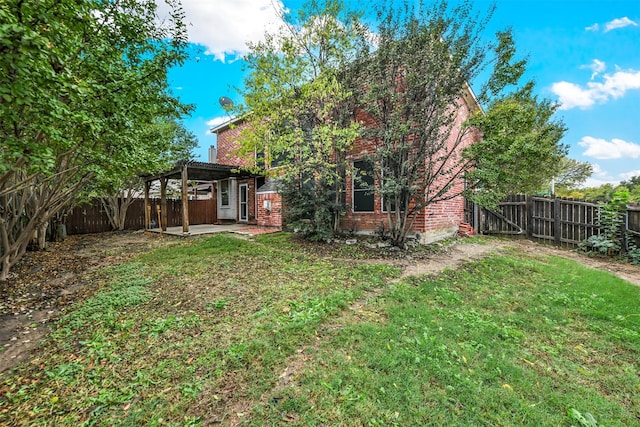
<point>200,229</point>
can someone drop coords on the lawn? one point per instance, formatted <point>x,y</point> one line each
<point>230,331</point>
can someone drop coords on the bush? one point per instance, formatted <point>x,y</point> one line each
<point>610,220</point>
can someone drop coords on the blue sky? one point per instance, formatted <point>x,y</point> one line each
<point>584,54</point>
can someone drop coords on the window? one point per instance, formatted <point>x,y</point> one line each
<point>224,192</point>
<point>363,186</point>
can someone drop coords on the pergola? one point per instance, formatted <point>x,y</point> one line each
<point>197,171</point>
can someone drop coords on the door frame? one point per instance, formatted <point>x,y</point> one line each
<point>245,187</point>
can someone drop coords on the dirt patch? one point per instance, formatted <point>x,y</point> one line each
<point>44,283</point>
<point>451,257</point>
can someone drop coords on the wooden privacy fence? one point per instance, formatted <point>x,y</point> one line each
<point>91,217</point>
<point>561,221</point>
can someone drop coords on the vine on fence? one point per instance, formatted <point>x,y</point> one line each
<point>610,241</point>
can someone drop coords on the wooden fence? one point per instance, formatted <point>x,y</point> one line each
<point>561,221</point>
<point>91,217</point>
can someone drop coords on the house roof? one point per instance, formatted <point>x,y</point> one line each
<point>271,186</point>
<point>226,125</point>
<point>201,171</point>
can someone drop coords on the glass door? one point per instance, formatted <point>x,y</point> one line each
<point>244,202</point>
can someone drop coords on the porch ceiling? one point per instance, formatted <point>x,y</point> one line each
<point>201,171</point>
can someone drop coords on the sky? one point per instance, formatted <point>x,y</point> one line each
<point>583,54</point>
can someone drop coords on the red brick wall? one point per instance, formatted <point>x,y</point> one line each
<point>227,146</point>
<point>441,215</point>
<point>273,217</point>
<point>438,216</point>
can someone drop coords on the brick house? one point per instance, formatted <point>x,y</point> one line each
<point>364,210</point>
<point>253,200</point>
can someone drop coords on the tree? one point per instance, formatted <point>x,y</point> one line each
<point>570,174</point>
<point>165,143</point>
<point>519,151</point>
<point>633,185</point>
<point>78,81</point>
<point>606,192</point>
<point>416,93</point>
<point>299,115</point>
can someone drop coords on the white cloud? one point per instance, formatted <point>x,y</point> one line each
<point>593,182</point>
<point>625,176</point>
<point>597,170</point>
<point>612,25</point>
<point>572,95</point>
<point>596,66</point>
<point>614,86</point>
<point>619,23</point>
<point>606,150</point>
<point>224,27</point>
<point>216,121</point>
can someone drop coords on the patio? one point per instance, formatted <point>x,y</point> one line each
<point>201,229</point>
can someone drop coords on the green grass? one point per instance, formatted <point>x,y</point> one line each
<point>505,341</point>
<point>195,333</point>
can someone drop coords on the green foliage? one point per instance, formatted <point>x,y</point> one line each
<point>298,111</point>
<point>570,174</point>
<point>84,95</point>
<point>604,193</point>
<point>417,94</point>
<point>586,420</point>
<point>519,151</point>
<point>633,252</point>
<point>411,85</point>
<point>610,222</point>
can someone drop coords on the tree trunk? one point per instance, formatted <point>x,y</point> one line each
<point>41,233</point>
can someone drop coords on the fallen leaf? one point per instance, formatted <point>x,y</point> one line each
<point>528,362</point>
<point>580,348</point>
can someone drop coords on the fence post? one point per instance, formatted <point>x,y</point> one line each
<point>529,214</point>
<point>625,241</point>
<point>556,222</point>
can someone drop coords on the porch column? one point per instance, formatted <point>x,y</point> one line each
<point>163,203</point>
<point>214,199</point>
<point>147,205</point>
<point>185,200</point>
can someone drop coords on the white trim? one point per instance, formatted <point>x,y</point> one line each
<point>246,186</point>
<point>228,185</point>
<point>255,200</point>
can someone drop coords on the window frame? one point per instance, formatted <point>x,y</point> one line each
<point>362,191</point>
<point>224,193</point>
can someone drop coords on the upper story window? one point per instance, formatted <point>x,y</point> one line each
<point>224,192</point>
<point>363,186</point>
